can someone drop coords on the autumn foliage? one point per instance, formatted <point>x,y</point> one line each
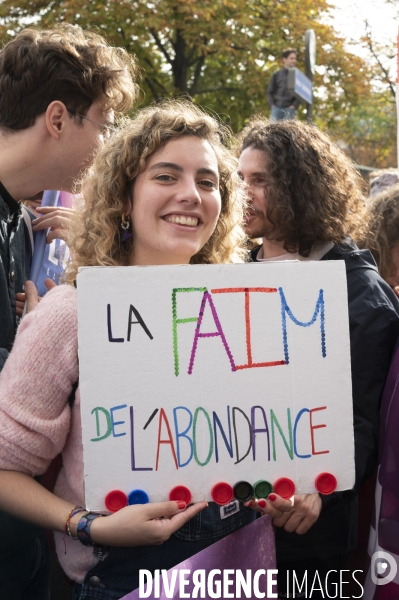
<point>221,53</point>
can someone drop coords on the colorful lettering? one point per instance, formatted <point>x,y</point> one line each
<point>210,451</point>
<point>177,322</point>
<point>218,333</point>
<point>285,310</point>
<point>110,336</point>
<point>229,445</point>
<point>299,415</point>
<point>235,410</point>
<point>139,321</point>
<point>169,440</point>
<point>257,430</point>
<point>132,452</point>
<point>114,423</point>
<point>250,364</point>
<point>313,427</point>
<point>289,445</point>
<point>105,412</point>
<point>183,434</point>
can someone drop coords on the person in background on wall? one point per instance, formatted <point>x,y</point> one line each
<point>59,90</point>
<point>306,203</point>
<point>283,104</point>
<point>382,235</point>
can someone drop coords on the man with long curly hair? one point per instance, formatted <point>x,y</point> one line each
<point>59,90</point>
<point>306,204</point>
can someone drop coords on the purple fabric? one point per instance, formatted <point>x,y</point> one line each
<point>387,510</point>
<point>388,526</point>
<point>251,547</point>
<point>389,438</point>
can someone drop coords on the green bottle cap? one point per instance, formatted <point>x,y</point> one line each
<point>262,488</point>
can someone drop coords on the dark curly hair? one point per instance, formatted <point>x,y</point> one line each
<point>383,230</point>
<point>313,191</point>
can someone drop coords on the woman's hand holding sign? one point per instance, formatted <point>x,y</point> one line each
<point>297,514</point>
<point>275,506</point>
<point>142,524</point>
<point>304,514</point>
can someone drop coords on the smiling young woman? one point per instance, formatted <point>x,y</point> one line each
<point>175,202</point>
<point>168,180</point>
<point>172,176</point>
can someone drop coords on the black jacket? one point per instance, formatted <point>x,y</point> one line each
<point>374,329</point>
<point>277,93</point>
<point>15,259</point>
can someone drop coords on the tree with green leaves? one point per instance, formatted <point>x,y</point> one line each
<point>219,52</point>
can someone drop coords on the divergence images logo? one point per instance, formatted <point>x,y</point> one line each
<point>383,568</point>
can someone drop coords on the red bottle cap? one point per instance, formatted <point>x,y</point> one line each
<point>284,487</point>
<point>326,483</point>
<point>115,500</point>
<point>180,493</point>
<point>222,493</point>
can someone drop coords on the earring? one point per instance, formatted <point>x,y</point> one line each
<point>125,222</point>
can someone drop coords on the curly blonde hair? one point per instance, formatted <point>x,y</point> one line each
<point>313,192</point>
<point>96,235</point>
<point>383,230</point>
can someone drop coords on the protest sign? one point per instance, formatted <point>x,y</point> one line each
<point>202,375</point>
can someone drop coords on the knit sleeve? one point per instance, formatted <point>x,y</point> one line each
<point>36,382</point>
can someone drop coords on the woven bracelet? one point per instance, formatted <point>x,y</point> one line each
<point>71,514</point>
<point>83,530</point>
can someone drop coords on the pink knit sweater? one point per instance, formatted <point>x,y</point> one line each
<point>36,422</point>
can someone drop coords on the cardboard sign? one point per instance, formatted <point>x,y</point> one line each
<point>200,374</point>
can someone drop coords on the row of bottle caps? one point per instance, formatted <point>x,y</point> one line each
<point>223,493</point>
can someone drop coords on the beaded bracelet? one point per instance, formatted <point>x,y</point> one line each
<point>83,530</point>
<point>71,514</point>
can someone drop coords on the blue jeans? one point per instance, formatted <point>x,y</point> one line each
<point>25,575</point>
<point>279,114</point>
<point>118,574</point>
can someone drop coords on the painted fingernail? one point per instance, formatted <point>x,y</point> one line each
<point>272,497</point>
<point>262,503</point>
<point>181,505</point>
<point>248,503</point>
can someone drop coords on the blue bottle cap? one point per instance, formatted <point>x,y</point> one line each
<point>138,497</point>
